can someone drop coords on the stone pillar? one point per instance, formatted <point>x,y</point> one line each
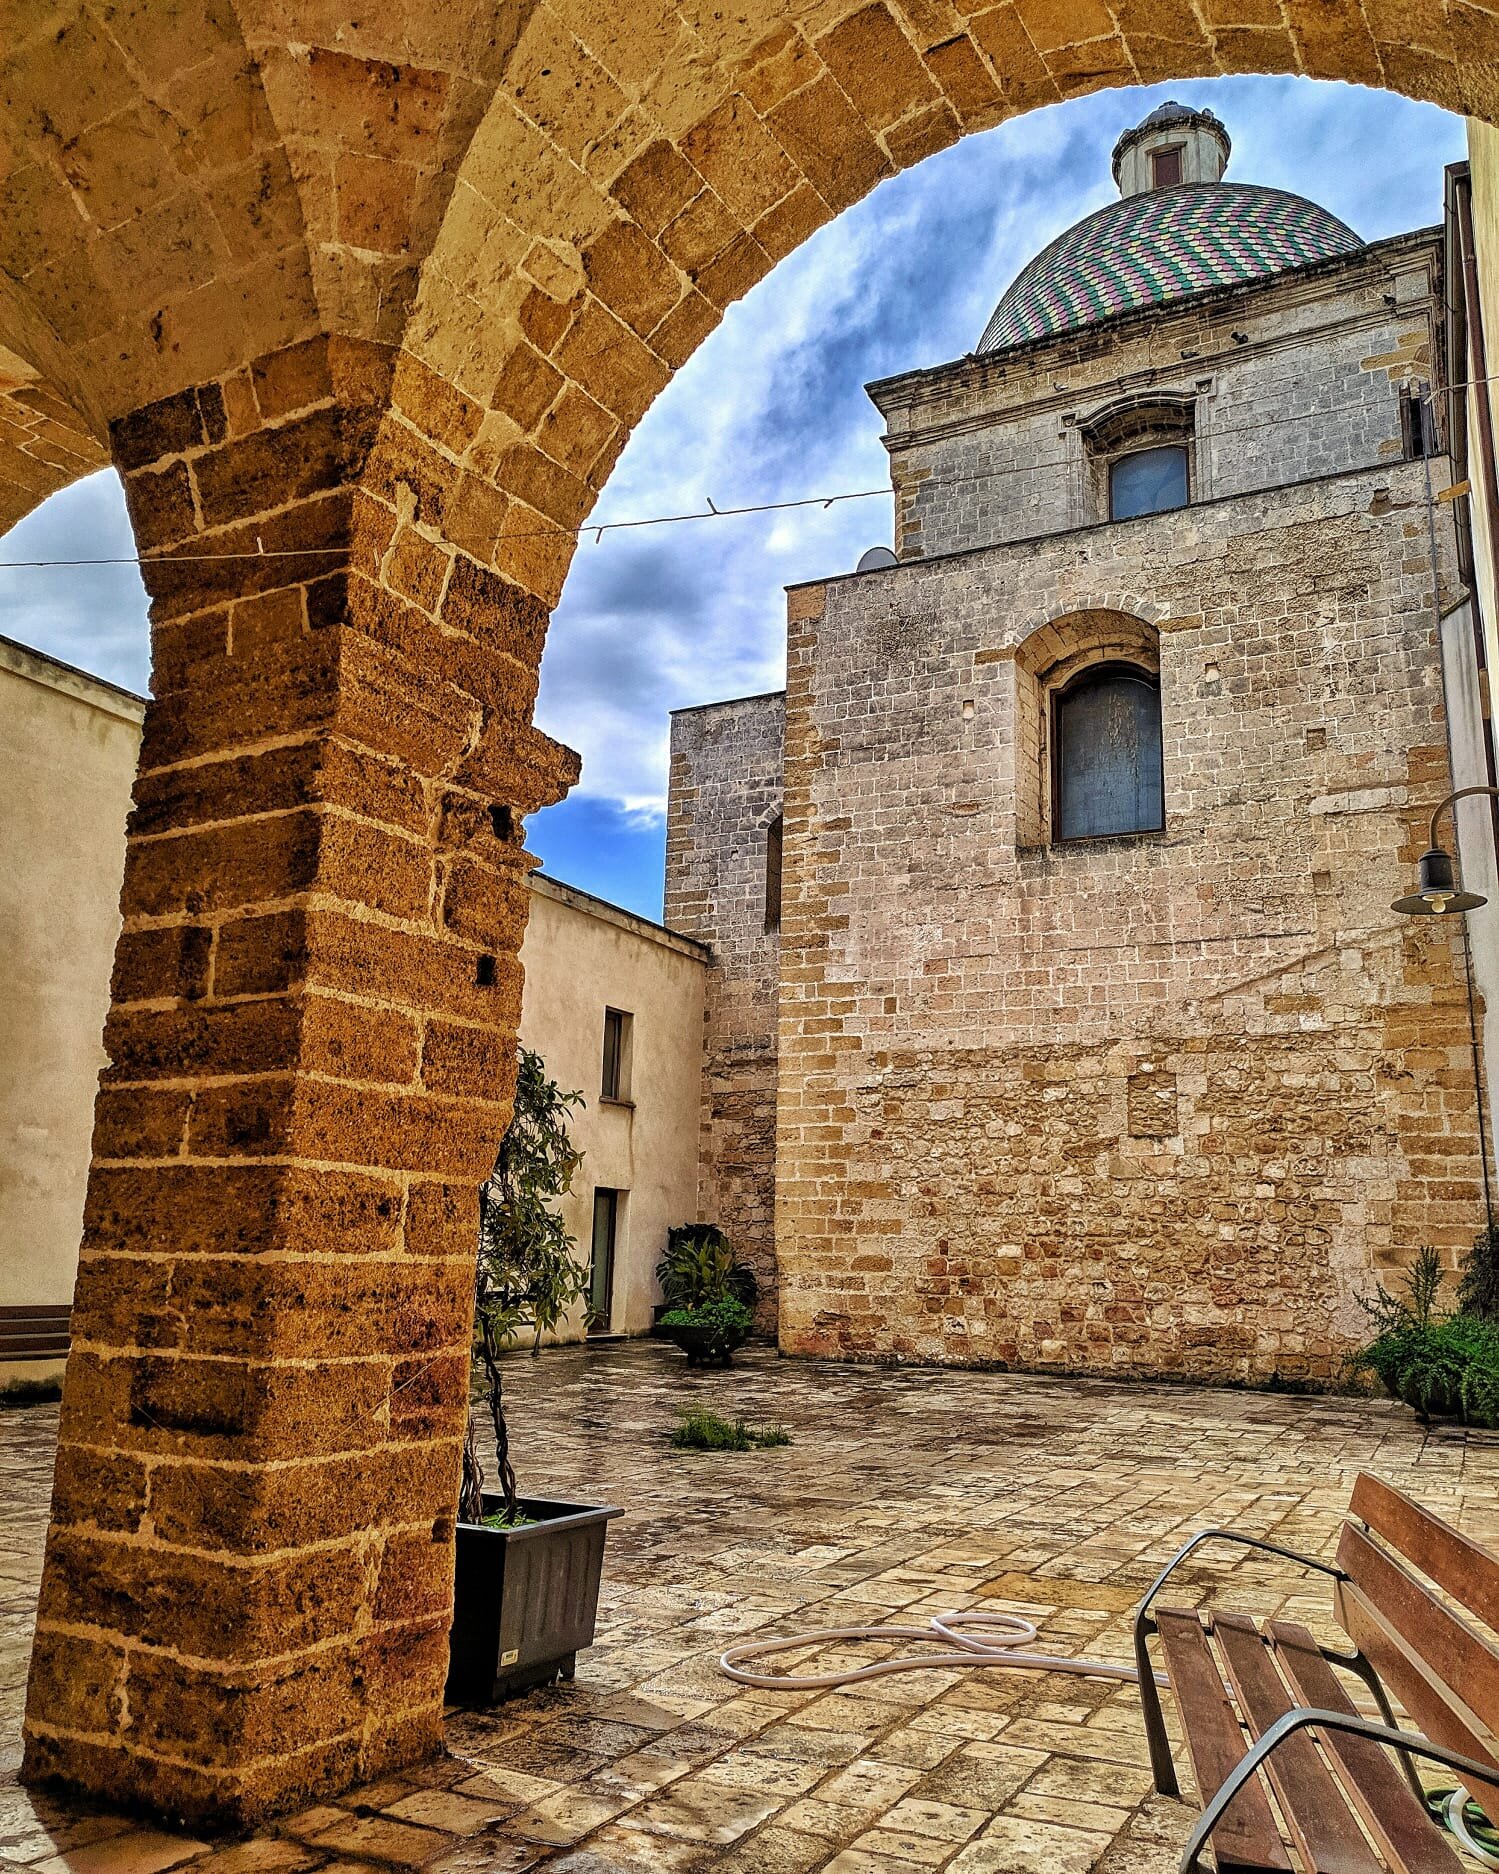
<point>311,1053</point>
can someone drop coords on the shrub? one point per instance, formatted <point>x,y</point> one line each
<point>1442,1364</point>
<point>709,1431</point>
<point>1479,1291</point>
<point>26,1392</point>
<point>700,1267</point>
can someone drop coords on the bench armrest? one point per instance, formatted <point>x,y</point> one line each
<point>1408,1743</point>
<point>1142,1612</point>
<point>1162,1769</point>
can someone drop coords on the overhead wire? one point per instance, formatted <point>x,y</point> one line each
<point>712,511</point>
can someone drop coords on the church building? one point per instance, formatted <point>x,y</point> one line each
<point>1058,1016</point>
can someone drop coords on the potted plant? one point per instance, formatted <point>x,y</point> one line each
<point>1443,1363</point>
<point>708,1294</point>
<point>527,1569</point>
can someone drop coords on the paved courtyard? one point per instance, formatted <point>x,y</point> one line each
<point>904,1493</point>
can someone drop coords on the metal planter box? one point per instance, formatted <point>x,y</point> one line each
<point>524,1600</point>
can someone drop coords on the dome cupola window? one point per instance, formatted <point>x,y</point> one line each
<point>1174,144</point>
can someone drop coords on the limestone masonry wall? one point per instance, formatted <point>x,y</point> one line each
<point>1161,1103</point>
<point>725,790</point>
<point>997,448</point>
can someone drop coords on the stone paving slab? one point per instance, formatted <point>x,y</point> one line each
<point>904,1493</point>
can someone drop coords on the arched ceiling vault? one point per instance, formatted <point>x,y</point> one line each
<point>550,203</point>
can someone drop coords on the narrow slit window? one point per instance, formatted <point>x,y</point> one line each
<point>1417,422</point>
<point>773,835</point>
<point>1107,774</point>
<point>615,1083</point>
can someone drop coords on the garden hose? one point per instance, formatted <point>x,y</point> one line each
<point>1457,1812</point>
<point>993,1641</point>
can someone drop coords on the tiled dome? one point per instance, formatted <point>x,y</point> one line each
<point>1160,246</point>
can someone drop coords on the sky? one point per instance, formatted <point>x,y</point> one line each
<point>772,408</point>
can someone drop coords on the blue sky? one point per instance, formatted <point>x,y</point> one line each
<point>772,407</point>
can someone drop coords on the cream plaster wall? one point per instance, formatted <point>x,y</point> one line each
<point>1483,160</point>
<point>67,762</point>
<point>582,956</point>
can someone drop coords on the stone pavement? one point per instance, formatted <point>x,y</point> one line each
<point>906,1492</point>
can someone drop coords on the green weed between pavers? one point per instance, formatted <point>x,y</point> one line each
<point>710,1431</point>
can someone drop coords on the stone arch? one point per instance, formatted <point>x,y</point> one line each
<point>1049,658</point>
<point>365,311</point>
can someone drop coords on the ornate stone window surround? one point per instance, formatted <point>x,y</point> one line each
<point>1148,420</point>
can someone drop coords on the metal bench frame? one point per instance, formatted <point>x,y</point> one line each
<point>1162,1765</point>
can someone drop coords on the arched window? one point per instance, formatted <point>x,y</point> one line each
<point>1106,754</point>
<point>773,873</point>
<point>1148,481</point>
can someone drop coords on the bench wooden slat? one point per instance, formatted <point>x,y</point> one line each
<point>1369,1774</point>
<point>1456,1653</point>
<point>1435,1707</point>
<point>34,1330</point>
<point>1247,1837</point>
<point>1311,1802</point>
<point>1456,1564</point>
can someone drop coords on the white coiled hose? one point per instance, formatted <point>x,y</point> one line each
<point>992,1640</point>
<point>971,1640</point>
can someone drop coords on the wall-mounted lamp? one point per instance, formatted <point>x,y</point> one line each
<point>1437,889</point>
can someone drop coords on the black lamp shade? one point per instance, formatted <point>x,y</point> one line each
<point>1437,891</point>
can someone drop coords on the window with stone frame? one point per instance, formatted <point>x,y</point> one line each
<point>1140,456</point>
<point>1088,745</point>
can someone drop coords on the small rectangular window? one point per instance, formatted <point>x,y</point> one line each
<point>1166,167</point>
<point>616,1076</point>
<point>606,1209</point>
<point>1417,422</point>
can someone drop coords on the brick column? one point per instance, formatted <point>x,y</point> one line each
<point>248,1574</point>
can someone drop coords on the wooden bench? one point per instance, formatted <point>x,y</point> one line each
<point>1290,1775</point>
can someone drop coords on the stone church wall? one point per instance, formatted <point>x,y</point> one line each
<point>994,448</point>
<point>725,790</point>
<point>1162,1104</point>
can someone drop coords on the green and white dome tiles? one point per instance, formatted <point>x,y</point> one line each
<point>1160,246</point>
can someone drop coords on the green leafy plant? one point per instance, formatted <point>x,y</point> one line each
<point>701,1430</point>
<point>1443,1364</point>
<point>709,1335</point>
<point>527,1275</point>
<point>700,1267</point>
<point>1479,1290</point>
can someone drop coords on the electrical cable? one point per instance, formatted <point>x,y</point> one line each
<point>713,512</point>
<point>992,1641</point>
